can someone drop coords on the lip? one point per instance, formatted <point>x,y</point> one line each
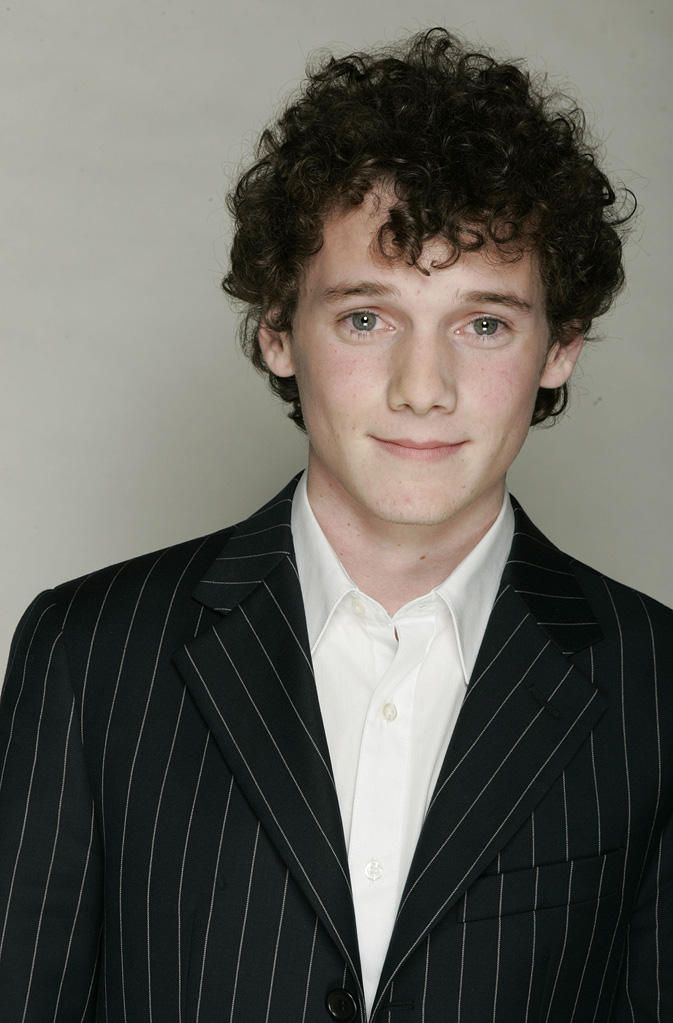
<point>428,450</point>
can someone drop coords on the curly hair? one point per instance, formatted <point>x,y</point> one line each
<point>477,151</point>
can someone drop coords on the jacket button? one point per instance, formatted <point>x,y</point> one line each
<point>341,1005</point>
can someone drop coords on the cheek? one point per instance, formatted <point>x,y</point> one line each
<point>338,388</point>
<point>510,385</point>
<point>505,398</point>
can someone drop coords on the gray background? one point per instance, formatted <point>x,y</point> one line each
<point>128,418</point>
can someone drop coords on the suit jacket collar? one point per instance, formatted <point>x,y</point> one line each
<point>526,712</point>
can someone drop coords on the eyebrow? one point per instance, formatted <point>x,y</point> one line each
<point>346,289</point>
<point>506,298</point>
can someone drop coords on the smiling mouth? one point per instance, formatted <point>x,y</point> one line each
<point>419,450</point>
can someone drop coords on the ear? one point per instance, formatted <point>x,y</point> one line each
<point>276,348</point>
<point>560,362</point>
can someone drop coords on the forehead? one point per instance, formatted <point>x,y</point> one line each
<point>351,249</point>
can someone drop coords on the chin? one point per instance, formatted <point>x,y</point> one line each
<point>416,511</point>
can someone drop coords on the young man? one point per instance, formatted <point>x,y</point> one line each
<point>381,751</point>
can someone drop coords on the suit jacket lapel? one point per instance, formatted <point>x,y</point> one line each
<point>252,679</point>
<point>526,712</point>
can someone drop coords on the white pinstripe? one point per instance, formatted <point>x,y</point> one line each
<point>267,508</point>
<point>182,872</point>
<point>534,914</point>
<point>565,816</point>
<point>655,675</point>
<point>299,863</point>
<point>234,582</point>
<point>627,972</point>
<point>74,921</point>
<point>245,920</point>
<point>536,539</point>
<point>570,625</point>
<point>425,978</point>
<point>212,898</point>
<point>151,862</point>
<point>184,849</point>
<point>93,977</point>
<point>497,958</point>
<point>462,960</point>
<point>541,568</point>
<point>105,968</point>
<point>91,644</point>
<point>310,970</point>
<point>287,767</point>
<point>628,798</point>
<point>489,723</point>
<point>656,930</point>
<point>51,861</point>
<point>243,557</point>
<point>591,940</point>
<point>133,763</point>
<point>258,532</point>
<point>74,597</point>
<point>457,888</point>
<point>565,942</point>
<point>392,988</point>
<point>275,951</point>
<point>30,790</point>
<point>532,960</point>
<point>114,695</point>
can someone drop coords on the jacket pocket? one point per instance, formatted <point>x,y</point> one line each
<point>544,886</point>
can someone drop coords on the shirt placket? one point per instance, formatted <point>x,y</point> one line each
<point>382,791</point>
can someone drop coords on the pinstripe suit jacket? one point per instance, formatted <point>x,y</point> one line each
<point>171,846</point>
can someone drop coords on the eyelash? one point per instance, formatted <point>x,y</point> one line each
<point>361,312</point>
<point>494,319</point>
<point>502,324</point>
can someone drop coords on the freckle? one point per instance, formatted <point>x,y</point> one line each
<point>422,557</point>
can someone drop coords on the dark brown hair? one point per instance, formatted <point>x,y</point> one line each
<point>477,151</point>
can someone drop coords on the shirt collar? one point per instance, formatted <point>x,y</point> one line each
<point>468,593</point>
<point>323,579</point>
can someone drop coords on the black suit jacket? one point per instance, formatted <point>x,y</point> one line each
<point>171,847</point>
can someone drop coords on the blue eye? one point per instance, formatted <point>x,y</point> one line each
<point>486,326</point>
<point>363,322</point>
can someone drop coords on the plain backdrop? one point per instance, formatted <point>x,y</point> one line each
<point>129,419</point>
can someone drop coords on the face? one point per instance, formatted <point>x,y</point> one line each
<point>417,390</point>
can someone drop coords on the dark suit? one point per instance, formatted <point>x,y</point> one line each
<point>171,845</point>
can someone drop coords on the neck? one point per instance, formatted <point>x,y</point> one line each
<point>395,562</point>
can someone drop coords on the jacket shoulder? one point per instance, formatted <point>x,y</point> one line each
<point>154,584</point>
<point>621,602</point>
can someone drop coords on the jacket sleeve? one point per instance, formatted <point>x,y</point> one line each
<point>645,988</point>
<point>50,852</point>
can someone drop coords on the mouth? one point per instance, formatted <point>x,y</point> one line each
<point>424,451</point>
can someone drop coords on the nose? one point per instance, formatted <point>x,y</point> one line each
<point>421,375</point>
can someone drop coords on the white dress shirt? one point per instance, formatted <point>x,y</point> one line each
<point>390,689</point>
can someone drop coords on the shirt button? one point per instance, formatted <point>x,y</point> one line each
<point>389,711</point>
<point>358,607</point>
<point>374,870</point>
